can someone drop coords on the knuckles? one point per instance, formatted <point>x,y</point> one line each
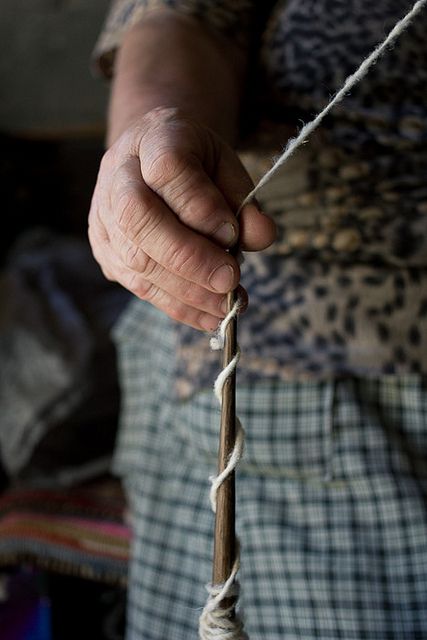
<point>140,287</point>
<point>168,148</point>
<point>137,260</point>
<point>127,207</point>
<point>184,259</point>
<point>132,257</point>
<point>177,314</point>
<point>164,167</point>
<point>132,207</point>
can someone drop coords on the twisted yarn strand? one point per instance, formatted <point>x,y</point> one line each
<point>216,621</point>
<point>294,143</point>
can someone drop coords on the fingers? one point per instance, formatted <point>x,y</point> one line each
<point>257,230</point>
<point>172,305</point>
<point>181,300</point>
<point>184,186</point>
<point>163,215</point>
<point>145,233</point>
<point>203,182</point>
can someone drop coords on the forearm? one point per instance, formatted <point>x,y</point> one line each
<point>163,211</point>
<point>173,61</point>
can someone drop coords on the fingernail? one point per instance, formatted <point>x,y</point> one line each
<point>225,234</point>
<point>222,279</point>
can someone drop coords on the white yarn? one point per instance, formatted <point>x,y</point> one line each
<point>225,373</point>
<point>231,465</point>
<point>293,143</point>
<point>226,590</point>
<point>217,622</point>
<point>217,341</point>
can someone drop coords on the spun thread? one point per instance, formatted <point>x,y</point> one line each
<point>294,143</point>
<point>216,621</point>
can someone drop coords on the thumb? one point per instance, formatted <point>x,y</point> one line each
<point>257,230</point>
<point>182,182</point>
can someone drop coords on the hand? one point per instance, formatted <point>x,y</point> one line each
<point>163,215</point>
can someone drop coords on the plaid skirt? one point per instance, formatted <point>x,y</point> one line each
<point>331,500</point>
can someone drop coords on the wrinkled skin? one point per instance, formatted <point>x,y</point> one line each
<point>163,215</point>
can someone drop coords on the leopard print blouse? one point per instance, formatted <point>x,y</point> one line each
<point>344,289</point>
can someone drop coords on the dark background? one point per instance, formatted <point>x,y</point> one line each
<point>52,122</point>
<point>52,112</point>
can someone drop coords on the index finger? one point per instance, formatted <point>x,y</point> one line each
<point>145,224</point>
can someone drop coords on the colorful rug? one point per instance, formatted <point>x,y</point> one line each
<point>78,531</point>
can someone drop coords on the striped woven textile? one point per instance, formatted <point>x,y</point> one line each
<point>78,531</point>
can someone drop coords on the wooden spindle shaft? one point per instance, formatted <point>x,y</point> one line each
<point>225,537</point>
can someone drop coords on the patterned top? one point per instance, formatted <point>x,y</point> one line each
<point>344,289</point>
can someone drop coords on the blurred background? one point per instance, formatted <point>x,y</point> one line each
<point>51,110</point>
<point>63,532</point>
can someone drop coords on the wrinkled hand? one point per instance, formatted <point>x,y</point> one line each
<point>162,216</point>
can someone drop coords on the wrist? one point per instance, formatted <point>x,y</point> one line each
<point>190,57</point>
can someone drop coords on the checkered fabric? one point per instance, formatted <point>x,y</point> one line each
<point>332,500</point>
